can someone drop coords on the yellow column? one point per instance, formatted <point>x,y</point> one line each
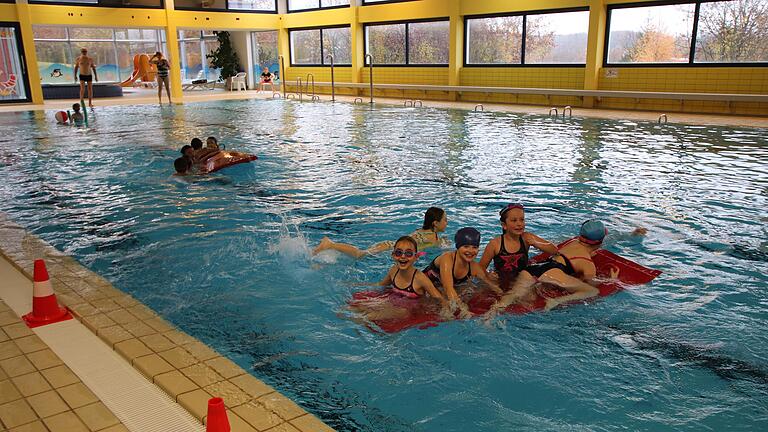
<point>595,47</point>
<point>30,54</point>
<point>174,56</point>
<point>284,49</point>
<point>456,54</point>
<point>356,32</point>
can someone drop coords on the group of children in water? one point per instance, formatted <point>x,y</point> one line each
<point>514,278</point>
<point>194,153</point>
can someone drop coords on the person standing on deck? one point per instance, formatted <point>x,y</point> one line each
<point>85,64</point>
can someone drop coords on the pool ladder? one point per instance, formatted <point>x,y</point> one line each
<point>333,81</point>
<point>412,103</point>
<point>663,116</point>
<point>480,106</point>
<point>566,109</point>
<point>369,59</point>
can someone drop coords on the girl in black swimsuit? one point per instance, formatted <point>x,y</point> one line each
<point>507,264</point>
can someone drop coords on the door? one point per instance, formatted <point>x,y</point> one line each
<point>14,84</point>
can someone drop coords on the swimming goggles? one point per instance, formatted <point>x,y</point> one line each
<point>510,207</point>
<point>397,253</point>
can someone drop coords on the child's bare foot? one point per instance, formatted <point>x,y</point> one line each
<point>325,244</point>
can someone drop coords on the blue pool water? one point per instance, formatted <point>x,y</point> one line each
<point>226,257</point>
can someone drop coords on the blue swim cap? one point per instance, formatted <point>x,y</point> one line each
<point>592,232</point>
<point>467,236</point>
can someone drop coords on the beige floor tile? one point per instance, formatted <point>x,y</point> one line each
<point>157,342</point>
<point>44,359</point>
<point>252,385</point>
<point>160,325</point>
<point>9,349</point>
<point>8,392</point>
<point>225,367</point>
<point>47,404</point>
<point>201,351</point>
<point>196,402</point>
<point>201,374</point>
<point>179,337</point>
<point>60,376</point>
<point>31,384</point>
<point>310,423</point>
<point>233,396</point>
<point>142,312</point>
<point>178,357</point>
<point>37,426</point>
<point>258,416</point>
<point>30,344</point>
<point>139,329</point>
<point>16,413</point>
<point>3,337</point>
<point>125,301</point>
<point>97,416</point>
<point>65,422</point>
<point>82,308</point>
<point>114,335</point>
<point>152,365</point>
<point>122,316</point>
<point>18,330</point>
<point>105,305</point>
<point>16,366</point>
<point>77,395</point>
<point>3,376</point>
<point>285,427</point>
<point>283,406</point>
<point>132,348</point>
<point>175,383</point>
<point>95,322</point>
<point>8,317</point>
<point>118,428</point>
<point>239,425</point>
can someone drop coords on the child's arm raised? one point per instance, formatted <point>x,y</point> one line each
<point>539,243</point>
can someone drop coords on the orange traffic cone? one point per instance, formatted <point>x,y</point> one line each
<point>217,420</point>
<point>45,308</point>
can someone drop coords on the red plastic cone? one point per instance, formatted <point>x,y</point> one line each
<point>45,308</point>
<point>216,420</point>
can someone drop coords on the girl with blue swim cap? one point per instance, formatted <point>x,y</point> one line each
<point>456,267</point>
<point>571,269</point>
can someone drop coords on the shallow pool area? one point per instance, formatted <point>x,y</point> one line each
<point>226,257</point>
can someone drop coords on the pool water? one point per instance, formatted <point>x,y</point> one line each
<point>225,257</point>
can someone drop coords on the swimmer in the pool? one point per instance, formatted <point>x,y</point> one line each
<point>212,143</point>
<point>509,251</point>
<point>406,282</point>
<point>435,221</point>
<point>182,166</point>
<point>571,269</point>
<point>201,154</point>
<point>456,267</point>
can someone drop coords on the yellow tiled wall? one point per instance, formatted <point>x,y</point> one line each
<point>406,75</point>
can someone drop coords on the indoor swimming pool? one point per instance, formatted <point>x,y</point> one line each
<point>226,257</point>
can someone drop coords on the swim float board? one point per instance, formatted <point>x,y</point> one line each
<point>630,273</point>
<point>225,159</point>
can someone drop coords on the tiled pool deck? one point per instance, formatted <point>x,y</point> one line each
<point>37,391</point>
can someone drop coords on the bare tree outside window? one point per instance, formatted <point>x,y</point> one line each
<point>732,32</point>
<point>654,34</point>
<point>428,42</point>
<point>386,43</point>
<point>337,41</point>
<point>305,47</point>
<point>496,40</point>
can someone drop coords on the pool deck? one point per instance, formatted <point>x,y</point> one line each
<point>139,96</point>
<point>117,366</point>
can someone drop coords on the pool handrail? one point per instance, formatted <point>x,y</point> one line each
<point>282,75</point>
<point>370,69</point>
<point>333,87</point>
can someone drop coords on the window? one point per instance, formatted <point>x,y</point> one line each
<point>194,45</point>
<point>652,34</point>
<point>732,32</point>
<point>537,38</point>
<point>413,43</point>
<point>365,2</point>
<point>112,50</point>
<point>311,47</point>
<point>242,5</point>
<point>556,38</point>
<point>264,45</point>
<point>107,3</point>
<point>302,5</point>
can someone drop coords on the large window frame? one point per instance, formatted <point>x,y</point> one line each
<point>321,7</point>
<point>98,3</point>
<point>524,15</point>
<point>407,44</point>
<point>227,9</point>
<point>694,34</point>
<point>322,57</point>
<point>371,3</point>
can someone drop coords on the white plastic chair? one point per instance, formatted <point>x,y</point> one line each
<point>238,81</point>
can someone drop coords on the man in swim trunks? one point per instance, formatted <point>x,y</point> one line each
<point>85,64</point>
<point>571,269</point>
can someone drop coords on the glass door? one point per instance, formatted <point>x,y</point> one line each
<point>14,85</point>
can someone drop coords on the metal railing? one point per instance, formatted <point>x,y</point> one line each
<point>333,81</point>
<point>553,109</point>
<point>299,84</point>
<point>663,116</point>
<point>479,106</point>
<point>569,110</point>
<point>369,58</point>
<point>313,96</point>
<point>282,76</point>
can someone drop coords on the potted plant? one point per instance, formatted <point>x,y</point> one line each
<point>224,58</point>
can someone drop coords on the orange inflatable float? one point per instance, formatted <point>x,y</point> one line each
<point>225,159</point>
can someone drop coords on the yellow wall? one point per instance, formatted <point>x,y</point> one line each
<point>592,76</point>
